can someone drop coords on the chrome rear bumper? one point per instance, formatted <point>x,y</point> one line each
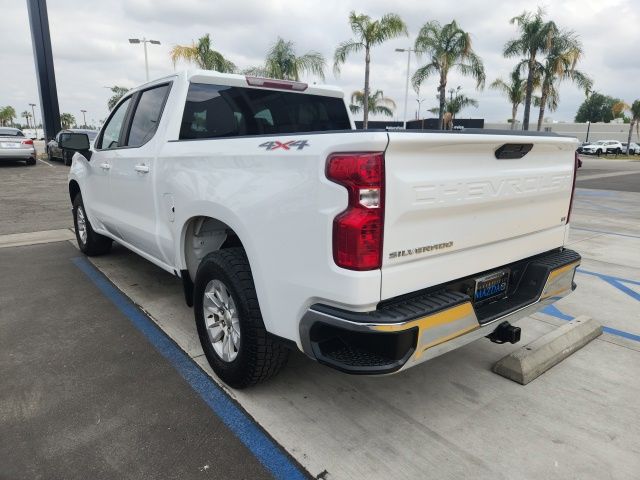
<point>408,331</point>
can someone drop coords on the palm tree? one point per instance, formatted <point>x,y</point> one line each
<point>448,47</point>
<point>283,63</point>
<point>514,91</point>
<point>563,55</point>
<point>66,119</point>
<point>535,38</point>
<point>202,55</point>
<point>7,114</point>
<point>368,34</point>
<point>118,93</point>
<point>26,115</point>
<point>634,110</point>
<point>378,104</point>
<point>455,104</point>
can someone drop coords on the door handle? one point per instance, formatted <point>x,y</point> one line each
<point>141,168</point>
<point>105,166</point>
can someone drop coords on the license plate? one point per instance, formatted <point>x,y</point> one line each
<point>491,287</point>
<point>9,145</point>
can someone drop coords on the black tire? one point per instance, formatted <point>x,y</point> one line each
<point>31,161</point>
<point>68,158</point>
<point>599,152</point>
<point>95,244</point>
<point>618,151</point>
<point>49,157</point>
<point>259,356</point>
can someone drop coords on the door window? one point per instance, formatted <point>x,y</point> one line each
<point>147,115</point>
<point>111,133</point>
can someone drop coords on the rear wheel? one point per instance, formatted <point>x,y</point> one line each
<point>31,161</point>
<point>599,152</point>
<point>229,322</point>
<point>89,242</point>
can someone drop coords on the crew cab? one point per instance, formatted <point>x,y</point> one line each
<point>370,251</point>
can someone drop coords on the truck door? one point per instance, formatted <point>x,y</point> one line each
<point>133,174</point>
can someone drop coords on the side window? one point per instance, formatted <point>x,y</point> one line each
<point>111,133</point>
<point>147,115</point>
<point>208,114</point>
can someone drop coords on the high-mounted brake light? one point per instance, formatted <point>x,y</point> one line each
<point>28,141</point>
<point>280,84</point>
<point>357,231</point>
<point>577,163</point>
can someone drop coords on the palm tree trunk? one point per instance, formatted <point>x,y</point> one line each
<point>514,113</point>
<point>543,105</point>
<point>528,93</point>
<point>365,102</point>
<point>443,100</point>
<point>629,138</point>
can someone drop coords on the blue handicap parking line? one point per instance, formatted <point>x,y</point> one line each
<point>616,282</point>
<point>553,311</point>
<point>265,449</point>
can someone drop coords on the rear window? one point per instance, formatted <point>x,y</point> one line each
<point>213,111</point>
<point>10,132</point>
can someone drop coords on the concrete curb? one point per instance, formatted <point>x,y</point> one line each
<point>33,238</point>
<point>531,361</point>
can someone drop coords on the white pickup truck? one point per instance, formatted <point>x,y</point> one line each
<point>370,251</point>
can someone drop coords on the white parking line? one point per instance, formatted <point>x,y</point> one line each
<point>604,175</point>
<point>46,163</point>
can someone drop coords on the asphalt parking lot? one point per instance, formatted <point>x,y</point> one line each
<point>104,386</point>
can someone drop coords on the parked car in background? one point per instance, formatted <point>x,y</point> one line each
<point>602,147</point>
<point>15,146</point>
<point>634,148</point>
<point>54,152</point>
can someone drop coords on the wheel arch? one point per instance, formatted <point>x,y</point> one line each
<point>201,235</point>
<point>74,190</point>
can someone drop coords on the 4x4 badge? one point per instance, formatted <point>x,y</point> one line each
<point>298,144</point>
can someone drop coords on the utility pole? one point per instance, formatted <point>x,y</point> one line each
<point>406,85</point>
<point>84,118</point>
<point>33,111</point>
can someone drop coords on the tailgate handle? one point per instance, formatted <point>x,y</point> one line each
<point>513,150</point>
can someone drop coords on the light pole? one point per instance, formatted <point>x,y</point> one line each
<point>33,111</point>
<point>419,100</point>
<point>406,85</point>
<point>84,118</point>
<point>144,41</point>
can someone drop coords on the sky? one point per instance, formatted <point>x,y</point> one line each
<point>91,50</point>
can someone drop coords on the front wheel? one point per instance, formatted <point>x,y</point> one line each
<point>89,242</point>
<point>599,152</point>
<point>229,322</point>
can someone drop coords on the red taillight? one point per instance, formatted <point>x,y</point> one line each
<point>357,232</point>
<point>272,83</point>
<point>27,142</point>
<point>576,165</point>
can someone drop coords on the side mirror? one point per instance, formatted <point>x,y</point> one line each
<point>74,141</point>
<point>71,142</point>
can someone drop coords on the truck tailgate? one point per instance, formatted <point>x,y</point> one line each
<point>453,209</point>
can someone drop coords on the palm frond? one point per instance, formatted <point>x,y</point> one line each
<point>343,50</point>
